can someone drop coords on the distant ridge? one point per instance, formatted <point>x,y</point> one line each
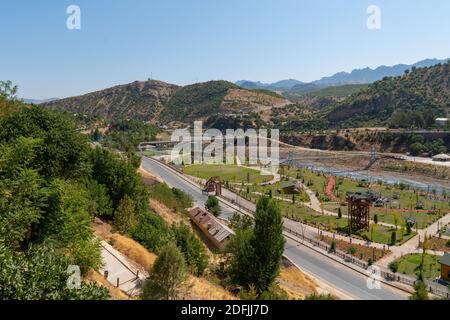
<point>355,77</point>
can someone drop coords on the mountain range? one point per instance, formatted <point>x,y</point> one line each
<point>355,77</point>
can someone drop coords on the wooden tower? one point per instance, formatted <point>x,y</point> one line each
<point>358,211</point>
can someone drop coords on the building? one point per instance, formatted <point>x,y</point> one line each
<point>441,158</point>
<point>445,267</point>
<point>215,231</point>
<point>289,187</point>
<point>443,122</point>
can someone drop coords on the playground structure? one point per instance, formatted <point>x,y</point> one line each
<point>358,211</point>
<point>214,184</point>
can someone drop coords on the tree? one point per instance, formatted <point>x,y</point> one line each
<point>100,204</point>
<point>8,91</point>
<point>167,276</point>
<point>420,289</point>
<point>64,152</point>
<point>393,266</point>
<point>41,273</point>
<point>240,222</point>
<point>257,253</point>
<point>212,204</point>
<point>396,217</point>
<point>192,249</point>
<point>339,213</point>
<point>375,219</point>
<point>393,238</point>
<point>373,229</point>
<point>124,216</point>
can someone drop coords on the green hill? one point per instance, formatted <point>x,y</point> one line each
<point>197,100</point>
<point>339,91</point>
<point>412,100</point>
<point>161,102</point>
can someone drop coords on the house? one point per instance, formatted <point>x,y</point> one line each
<point>445,267</point>
<point>215,231</point>
<point>442,158</point>
<point>289,187</point>
<point>443,122</point>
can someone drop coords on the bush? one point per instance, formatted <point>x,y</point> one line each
<point>192,249</point>
<point>151,231</point>
<point>212,204</point>
<point>393,266</point>
<point>174,199</point>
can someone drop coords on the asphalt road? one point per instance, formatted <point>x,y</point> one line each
<point>351,283</point>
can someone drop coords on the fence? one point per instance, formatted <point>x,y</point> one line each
<point>386,274</point>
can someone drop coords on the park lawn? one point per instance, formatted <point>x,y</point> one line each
<point>315,181</point>
<point>231,173</point>
<point>409,265</point>
<point>334,224</point>
<point>439,244</point>
<point>383,235</point>
<point>423,219</point>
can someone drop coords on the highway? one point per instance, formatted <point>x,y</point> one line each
<point>350,283</point>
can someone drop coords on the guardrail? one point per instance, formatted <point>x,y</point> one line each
<point>386,274</point>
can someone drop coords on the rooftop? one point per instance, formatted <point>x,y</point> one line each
<point>210,223</point>
<point>445,259</point>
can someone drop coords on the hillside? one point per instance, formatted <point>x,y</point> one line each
<point>412,100</point>
<point>137,100</point>
<point>159,102</point>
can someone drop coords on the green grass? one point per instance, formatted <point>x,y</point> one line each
<point>334,224</point>
<point>174,199</point>
<point>409,265</point>
<point>423,219</point>
<point>229,173</point>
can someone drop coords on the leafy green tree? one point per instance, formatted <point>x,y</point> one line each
<point>212,204</point>
<point>124,216</point>
<point>240,222</point>
<point>8,91</point>
<point>192,249</point>
<point>22,193</point>
<point>420,289</point>
<point>167,276</point>
<point>151,231</point>
<point>100,204</point>
<point>66,224</point>
<point>393,238</point>
<point>41,273</point>
<point>257,253</point>
<point>64,151</point>
<point>120,179</point>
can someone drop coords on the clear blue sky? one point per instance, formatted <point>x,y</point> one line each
<point>187,41</point>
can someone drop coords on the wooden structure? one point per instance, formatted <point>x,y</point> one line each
<point>289,187</point>
<point>445,267</point>
<point>358,211</point>
<point>214,184</point>
<point>215,231</point>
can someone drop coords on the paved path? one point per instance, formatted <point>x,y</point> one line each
<point>121,269</point>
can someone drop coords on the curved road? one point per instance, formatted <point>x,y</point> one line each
<point>349,282</point>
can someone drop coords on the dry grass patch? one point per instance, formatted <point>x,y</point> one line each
<point>133,250</point>
<point>168,215</point>
<point>297,284</point>
<point>202,289</point>
<point>116,294</point>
